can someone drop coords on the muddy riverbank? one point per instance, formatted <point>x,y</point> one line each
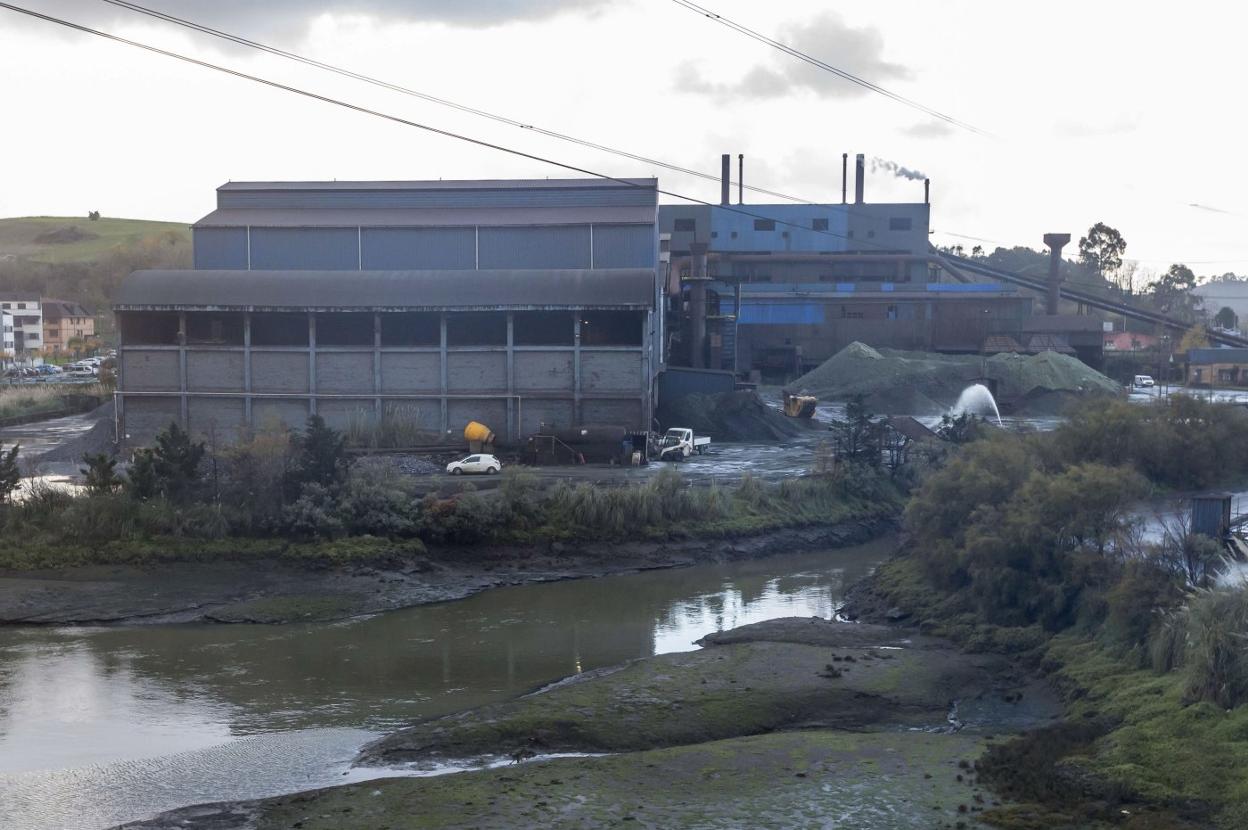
<point>281,591</point>
<point>792,722</point>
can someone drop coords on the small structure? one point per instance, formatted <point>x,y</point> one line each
<point>1211,515</point>
<point>1217,367</point>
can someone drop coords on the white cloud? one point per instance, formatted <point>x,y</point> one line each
<point>827,37</point>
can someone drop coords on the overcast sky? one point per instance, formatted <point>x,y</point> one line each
<point>1122,112</point>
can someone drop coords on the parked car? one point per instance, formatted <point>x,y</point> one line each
<point>1144,382</point>
<point>480,463</point>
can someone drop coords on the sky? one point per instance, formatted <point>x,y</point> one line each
<point>1118,112</point>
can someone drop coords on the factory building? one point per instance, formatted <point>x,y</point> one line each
<point>512,303</point>
<point>776,289</point>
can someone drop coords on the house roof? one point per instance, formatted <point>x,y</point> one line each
<point>996,343</point>
<point>381,290</point>
<point>1048,343</point>
<point>1205,357</point>
<point>58,309</point>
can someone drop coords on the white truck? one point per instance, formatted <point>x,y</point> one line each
<point>679,443</point>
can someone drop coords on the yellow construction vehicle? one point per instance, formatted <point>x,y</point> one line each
<point>480,438</point>
<point>799,406</point>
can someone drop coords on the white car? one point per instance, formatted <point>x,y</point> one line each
<point>480,463</point>
<point>1143,382</point>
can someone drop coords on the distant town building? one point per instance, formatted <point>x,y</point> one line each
<point>27,311</point>
<point>1129,341</point>
<point>1217,367</point>
<point>513,303</point>
<point>65,323</point>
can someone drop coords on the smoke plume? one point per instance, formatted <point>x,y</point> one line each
<point>878,164</point>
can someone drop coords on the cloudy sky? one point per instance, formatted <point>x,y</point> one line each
<point>1120,112</point>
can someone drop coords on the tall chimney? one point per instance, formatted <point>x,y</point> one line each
<point>927,191</point>
<point>1055,241</point>
<point>844,177</point>
<point>725,177</point>
<point>740,178</point>
<point>860,176</point>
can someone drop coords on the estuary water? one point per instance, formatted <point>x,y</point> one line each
<point>105,725</point>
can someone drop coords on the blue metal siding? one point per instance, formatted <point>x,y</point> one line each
<point>401,249</point>
<point>424,198</point>
<point>564,246</point>
<point>753,313</point>
<point>624,246</point>
<point>220,248</point>
<point>327,249</point>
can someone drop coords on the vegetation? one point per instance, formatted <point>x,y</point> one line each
<point>18,401</point>
<point>1024,544</point>
<point>10,474</point>
<point>278,490</point>
<point>1102,249</point>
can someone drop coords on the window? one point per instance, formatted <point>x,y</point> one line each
<point>476,328</point>
<point>764,224</point>
<point>411,328</point>
<point>819,224</point>
<point>685,225</point>
<point>542,328</point>
<point>899,223</point>
<point>612,328</point>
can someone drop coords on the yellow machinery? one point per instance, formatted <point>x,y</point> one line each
<point>480,438</point>
<point>799,406</point>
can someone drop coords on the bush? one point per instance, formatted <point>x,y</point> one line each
<point>314,515</point>
<point>1216,647</point>
<point>377,504</point>
<point>10,475</point>
<point>320,457</point>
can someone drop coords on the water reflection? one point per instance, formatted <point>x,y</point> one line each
<point>73,698</point>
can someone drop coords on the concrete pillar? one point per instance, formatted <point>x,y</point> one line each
<point>311,363</point>
<point>576,368</point>
<point>443,371</point>
<point>697,306</point>
<point>184,406</point>
<point>511,379</point>
<point>247,417</point>
<point>377,385</point>
<point>1055,241</point>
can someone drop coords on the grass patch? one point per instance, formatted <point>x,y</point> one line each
<point>18,401</point>
<point>39,238</point>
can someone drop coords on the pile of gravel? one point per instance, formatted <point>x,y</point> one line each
<point>733,416</point>
<point>98,439</point>
<point>925,383</point>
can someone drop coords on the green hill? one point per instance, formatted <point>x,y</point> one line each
<point>64,239</point>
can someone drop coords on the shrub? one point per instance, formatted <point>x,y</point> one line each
<point>320,457</point>
<point>10,475</point>
<point>101,473</point>
<point>377,504</point>
<point>314,515</point>
<point>1216,653</point>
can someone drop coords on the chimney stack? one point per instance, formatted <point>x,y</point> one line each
<point>927,191</point>
<point>725,177</point>
<point>740,178</point>
<point>860,176</point>
<point>844,177</point>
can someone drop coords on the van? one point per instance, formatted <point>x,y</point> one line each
<point>1144,382</point>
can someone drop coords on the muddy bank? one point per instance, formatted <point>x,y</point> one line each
<point>279,590</point>
<point>791,723</point>
<point>780,675</point>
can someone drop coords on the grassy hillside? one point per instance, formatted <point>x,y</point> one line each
<point>73,258</point>
<point>62,239</point>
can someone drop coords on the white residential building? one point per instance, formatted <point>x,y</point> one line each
<point>8,348</point>
<point>27,313</point>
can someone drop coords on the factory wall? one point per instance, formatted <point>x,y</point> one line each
<point>596,372</point>
<point>365,248</point>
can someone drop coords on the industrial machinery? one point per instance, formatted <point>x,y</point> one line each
<point>480,438</point>
<point>800,406</point>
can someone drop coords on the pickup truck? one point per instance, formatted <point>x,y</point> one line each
<point>679,443</point>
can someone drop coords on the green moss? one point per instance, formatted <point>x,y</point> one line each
<point>889,779</point>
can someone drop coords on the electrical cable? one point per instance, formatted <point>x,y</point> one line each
<point>416,124</point>
<point>827,67</point>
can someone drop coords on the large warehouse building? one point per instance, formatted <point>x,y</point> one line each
<point>512,303</point>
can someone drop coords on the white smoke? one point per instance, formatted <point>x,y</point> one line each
<point>878,164</point>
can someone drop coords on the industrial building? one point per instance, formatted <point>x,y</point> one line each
<point>512,303</point>
<point>773,290</point>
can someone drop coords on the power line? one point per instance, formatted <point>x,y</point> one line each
<point>827,67</point>
<point>409,123</point>
<point>446,102</point>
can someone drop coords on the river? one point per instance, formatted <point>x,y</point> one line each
<point>104,725</point>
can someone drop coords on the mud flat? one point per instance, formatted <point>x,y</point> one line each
<point>280,590</point>
<point>790,723</point>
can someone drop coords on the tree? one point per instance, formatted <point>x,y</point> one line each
<point>1194,338</point>
<point>320,457</point>
<point>977,252</point>
<point>1102,249</point>
<point>1226,318</point>
<point>10,475</point>
<point>100,473</point>
<point>1172,292</point>
<point>855,435</point>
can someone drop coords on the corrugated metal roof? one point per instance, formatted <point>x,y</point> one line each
<point>424,217</point>
<point>59,309</point>
<point>599,288</point>
<point>1205,357</point>
<point>449,184</point>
